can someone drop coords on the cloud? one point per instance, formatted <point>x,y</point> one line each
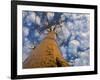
<point>26,53</point>
<point>25,31</point>
<point>36,33</point>
<point>42,36</point>
<point>62,31</point>
<point>39,36</point>
<point>75,25</point>
<point>84,40</point>
<point>24,13</point>
<point>77,62</point>
<point>75,43</point>
<point>68,15</point>
<point>72,48</point>
<point>61,36</point>
<point>38,20</point>
<point>84,23</point>
<point>63,50</point>
<point>50,15</point>
<point>70,25</point>
<point>26,48</point>
<point>63,17</point>
<point>84,54</point>
<point>45,31</point>
<point>65,31</point>
<point>32,16</point>
<point>58,29</point>
<point>83,59</point>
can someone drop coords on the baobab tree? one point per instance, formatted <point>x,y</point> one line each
<point>65,26</point>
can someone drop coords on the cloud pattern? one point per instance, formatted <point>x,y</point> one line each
<point>72,37</point>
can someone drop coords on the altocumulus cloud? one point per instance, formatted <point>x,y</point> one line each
<point>72,37</point>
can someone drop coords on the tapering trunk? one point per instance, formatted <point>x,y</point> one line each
<point>46,54</point>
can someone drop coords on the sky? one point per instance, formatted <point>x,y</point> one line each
<point>73,37</point>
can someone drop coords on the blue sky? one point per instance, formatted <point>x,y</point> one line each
<point>73,38</point>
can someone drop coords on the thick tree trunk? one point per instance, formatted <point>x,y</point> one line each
<point>46,54</point>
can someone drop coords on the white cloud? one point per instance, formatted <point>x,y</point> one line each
<point>85,25</point>
<point>63,17</point>
<point>83,59</point>
<point>25,31</point>
<point>84,40</point>
<point>50,15</point>
<point>24,57</point>
<point>38,20</point>
<point>58,29</point>
<point>61,36</point>
<point>73,45</point>
<point>77,62</point>
<point>32,16</point>
<point>75,42</point>
<point>77,25</point>
<point>70,25</point>
<point>80,27</point>
<point>71,16</point>
<point>67,15</point>
<point>65,31</point>
<point>26,48</point>
<point>62,31</point>
<point>24,14</point>
<point>74,16</point>
<point>84,54</point>
<point>26,52</point>
<point>45,31</point>
<point>36,33</point>
<point>63,50</point>
<point>43,35</point>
